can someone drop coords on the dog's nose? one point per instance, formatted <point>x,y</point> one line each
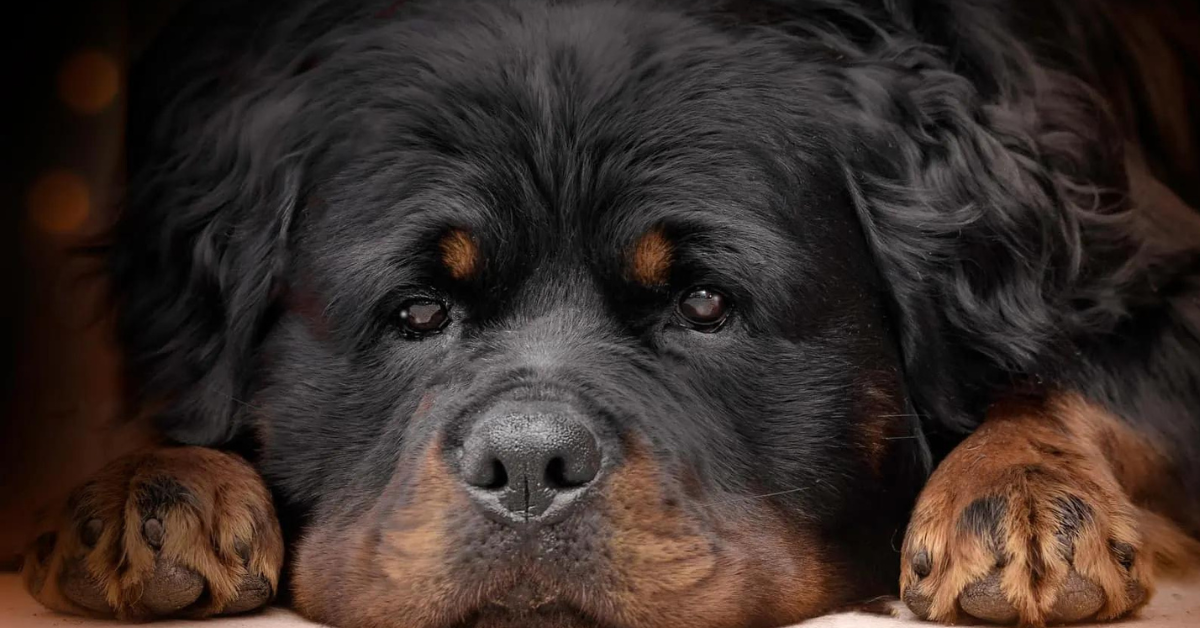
<point>529,465</point>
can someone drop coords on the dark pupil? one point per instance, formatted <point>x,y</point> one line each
<point>424,315</point>
<point>703,306</point>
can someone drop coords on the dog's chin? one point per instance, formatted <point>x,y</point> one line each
<point>533,602</point>
<point>551,616</point>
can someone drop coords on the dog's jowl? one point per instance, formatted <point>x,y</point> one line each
<point>652,314</point>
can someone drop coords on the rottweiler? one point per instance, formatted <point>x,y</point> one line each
<point>652,314</point>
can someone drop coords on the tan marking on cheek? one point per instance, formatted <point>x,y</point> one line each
<point>648,533</point>
<point>751,566</point>
<point>460,254</point>
<point>417,539</point>
<point>651,258</point>
<point>669,573</point>
<point>792,574</point>
<point>347,575</point>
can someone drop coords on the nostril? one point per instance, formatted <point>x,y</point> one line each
<point>563,473</point>
<point>556,474</point>
<point>498,478</point>
<point>482,470</point>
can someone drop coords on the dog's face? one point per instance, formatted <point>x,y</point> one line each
<point>572,337</point>
<point>573,315</point>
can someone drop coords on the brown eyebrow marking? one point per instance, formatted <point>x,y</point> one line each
<point>651,258</point>
<point>460,254</point>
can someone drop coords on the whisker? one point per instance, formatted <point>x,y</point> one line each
<point>244,403</point>
<point>798,489</point>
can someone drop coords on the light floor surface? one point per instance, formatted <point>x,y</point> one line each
<point>1177,605</point>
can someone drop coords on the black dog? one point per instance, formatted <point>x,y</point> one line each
<point>653,313</point>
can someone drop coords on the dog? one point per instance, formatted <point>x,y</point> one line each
<point>652,313</point>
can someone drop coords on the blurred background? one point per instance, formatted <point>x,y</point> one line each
<point>60,184</point>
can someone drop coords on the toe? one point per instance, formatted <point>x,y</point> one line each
<point>171,588</point>
<point>917,602</point>
<point>918,567</point>
<point>1079,599</point>
<point>983,599</point>
<point>253,593</point>
<point>1136,594</point>
<point>81,588</point>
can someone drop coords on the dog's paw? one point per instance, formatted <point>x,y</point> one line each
<point>173,532</point>
<point>1011,529</point>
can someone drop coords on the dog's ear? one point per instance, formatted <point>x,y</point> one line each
<point>996,208</point>
<point>198,250</point>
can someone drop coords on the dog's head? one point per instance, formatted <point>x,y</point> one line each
<point>588,313</point>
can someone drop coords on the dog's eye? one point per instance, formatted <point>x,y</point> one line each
<point>704,309</point>
<point>421,317</point>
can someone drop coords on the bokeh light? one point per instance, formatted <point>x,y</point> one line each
<point>59,202</point>
<point>89,81</point>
